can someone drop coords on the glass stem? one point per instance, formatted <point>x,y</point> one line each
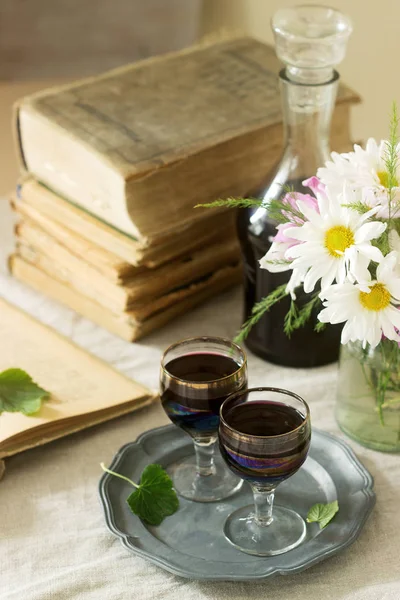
<point>263,503</point>
<point>204,451</point>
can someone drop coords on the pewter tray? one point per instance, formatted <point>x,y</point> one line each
<point>190,543</point>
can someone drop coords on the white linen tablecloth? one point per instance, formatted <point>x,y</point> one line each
<point>53,540</point>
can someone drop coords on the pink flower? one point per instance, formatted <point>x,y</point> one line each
<point>281,238</point>
<point>315,185</point>
<point>291,199</point>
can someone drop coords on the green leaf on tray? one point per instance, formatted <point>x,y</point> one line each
<point>322,513</point>
<point>154,498</point>
<point>19,393</point>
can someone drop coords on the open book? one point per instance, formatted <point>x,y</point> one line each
<point>83,390</point>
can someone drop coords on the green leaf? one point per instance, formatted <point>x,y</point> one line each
<point>232,203</point>
<point>283,212</point>
<point>155,498</point>
<point>19,393</point>
<point>391,163</point>
<point>296,318</point>
<point>358,206</point>
<point>290,318</point>
<point>259,309</point>
<point>319,326</point>
<point>322,513</point>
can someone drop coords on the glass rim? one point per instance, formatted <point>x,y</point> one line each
<point>205,338</point>
<point>264,389</point>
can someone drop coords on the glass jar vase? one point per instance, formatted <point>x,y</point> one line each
<point>368,397</point>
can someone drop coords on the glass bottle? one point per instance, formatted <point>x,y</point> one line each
<point>310,40</point>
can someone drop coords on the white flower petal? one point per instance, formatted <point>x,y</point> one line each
<point>325,315</point>
<point>394,240</point>
<point>311,278</point>
<point>394,316</point>
<point>369,231</point>
<point>358,266</point>
<point>312,215</point>
<point>299,233</point>
<point>371,252</point>
<point>329,275</point>
<point>374,336</point>
<point>393,287</point>
<point>295,280</point>
<point>384,272</point>
<point>388,328</point>
<point>347,333</point>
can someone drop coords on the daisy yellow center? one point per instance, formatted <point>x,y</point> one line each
<point>338,239</point>
<point>377,299</point>
<point>383,177</point>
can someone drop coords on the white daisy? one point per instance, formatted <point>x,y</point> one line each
<point>336,242</point>
<point>275,259</point>
<point>367,311</point>
<point>365,172</point>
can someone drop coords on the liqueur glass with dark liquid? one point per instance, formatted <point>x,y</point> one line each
<point>197,375</point>
<point>264,437</point>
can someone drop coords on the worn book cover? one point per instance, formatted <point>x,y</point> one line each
<point>140,145</point>
<point>83,390</point>
<point>131,325</point>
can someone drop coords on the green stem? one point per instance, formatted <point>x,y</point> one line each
<point>392,402</point>
<point>259,309</point>
<point>119,475</point>
<point>367,379</point>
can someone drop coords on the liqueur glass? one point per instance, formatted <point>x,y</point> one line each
<point>197,375</point>
<point>264,437</point>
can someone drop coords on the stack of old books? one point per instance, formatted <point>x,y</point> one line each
<point>114,165</point>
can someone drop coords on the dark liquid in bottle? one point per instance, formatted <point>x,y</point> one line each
<point>305,347</point>
<point>198,410</point>
<point>263,460</point>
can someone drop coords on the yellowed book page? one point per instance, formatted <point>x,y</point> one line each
<point>54,206</point>
<point>144,307</point>
<point>148,284</point>
<point>78,382</point>
<point>106,262</point>
<point>123,326</point>
<point>204,228</point>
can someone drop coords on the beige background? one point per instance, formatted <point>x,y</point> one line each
<point>371,65</point>
<point>373,56</point>
<point>47,42</point>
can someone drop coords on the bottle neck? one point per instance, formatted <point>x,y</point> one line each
<point>307,115</point>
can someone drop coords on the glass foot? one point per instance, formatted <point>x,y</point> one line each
<point>286,531</point>
<point>205,488</point>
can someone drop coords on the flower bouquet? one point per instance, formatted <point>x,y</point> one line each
<point>341,243</point>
